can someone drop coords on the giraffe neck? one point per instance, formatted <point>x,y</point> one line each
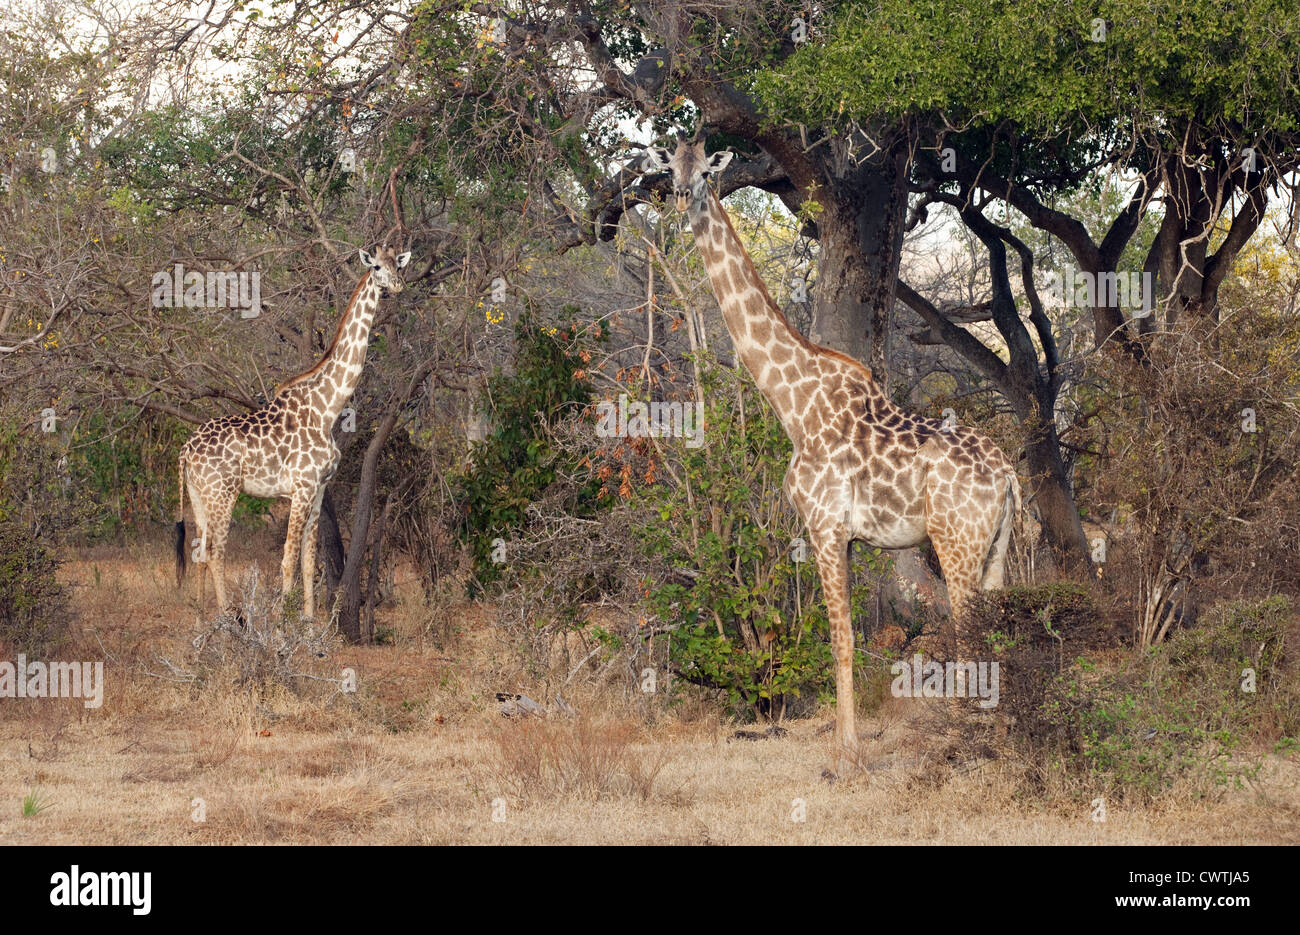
<point>775,354</point>
<point>339,371</point>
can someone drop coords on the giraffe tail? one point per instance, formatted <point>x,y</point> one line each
<point>1018,540</point>
<point>180,526</point>
<point>1006,537</point>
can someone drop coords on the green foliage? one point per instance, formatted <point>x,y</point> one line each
<point>749,616</point>
<point>518,461</point>
<point>37,505</point>
<point>1183,711</point>
<point>1044,65</point>
<point>37,488</point>
<point>250,510</point>
<point>127,464</point>
<point>34,802</point>
<point>33,613</point>
<point>1035,632</point>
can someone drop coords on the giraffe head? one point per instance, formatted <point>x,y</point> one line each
<point>690,168</point>
<point>383,268</point>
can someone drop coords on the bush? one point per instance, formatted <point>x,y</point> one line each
<point>126,464</point>
<point>260,642</point>
<point>1178,713</point>
<point>517,462</point>
<point>583,758</point>
<point>1199,467</point>
<point>34,616</point>
<point>1035,633</point>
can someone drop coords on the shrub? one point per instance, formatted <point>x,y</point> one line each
<point>126,463</point>
<point>1199,467</point>
<point>583,757</point>
<point>34,616</point>
<point>1177,713</point>
<point>1035,633</point>
<point>260,641</point>
<point>517,462</point>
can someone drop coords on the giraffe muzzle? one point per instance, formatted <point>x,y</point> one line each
<point>681,198</point>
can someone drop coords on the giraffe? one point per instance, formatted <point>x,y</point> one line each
<point>863,468</point>
<point>284,449</point>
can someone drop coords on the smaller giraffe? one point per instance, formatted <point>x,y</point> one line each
<point>284,449</point>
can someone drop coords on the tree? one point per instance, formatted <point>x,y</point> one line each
<point>527,106</point>
<point>1021,104</point>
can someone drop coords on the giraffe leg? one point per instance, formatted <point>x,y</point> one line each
<point>199,548</point>
<point>218,528</point>
<point>962,568</point>
<point>293,541</point>
<point>309,555</point>
<point>832,553</point>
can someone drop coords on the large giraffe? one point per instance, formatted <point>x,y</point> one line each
<point>284,449</point>
<point>863,468</point>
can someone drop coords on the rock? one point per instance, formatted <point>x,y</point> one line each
<point>513,705</point>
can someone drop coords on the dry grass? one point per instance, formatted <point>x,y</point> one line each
<point>586,756</point>
<point>420,754</point>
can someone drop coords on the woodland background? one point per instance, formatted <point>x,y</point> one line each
<point>909,178</point>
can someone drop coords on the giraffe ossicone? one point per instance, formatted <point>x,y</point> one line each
<point>284,449</point>
<point>863,468</point>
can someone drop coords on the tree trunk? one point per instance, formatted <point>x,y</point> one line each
<point>1187,213</point>
<point>332,553</point>
<point>1050,487</point>
<point>1031,388</point>
<point>376,559</point>
<point>860,238</point>
<point>350,581</point>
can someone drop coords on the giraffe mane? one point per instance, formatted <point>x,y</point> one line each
<point>329,351</point>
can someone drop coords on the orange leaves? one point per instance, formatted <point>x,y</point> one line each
<point>632,460</point>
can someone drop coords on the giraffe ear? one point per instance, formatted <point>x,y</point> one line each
<point>718,161</point>
<point>368,260</point>
<point>656,158</point>
<point>403,259</point>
